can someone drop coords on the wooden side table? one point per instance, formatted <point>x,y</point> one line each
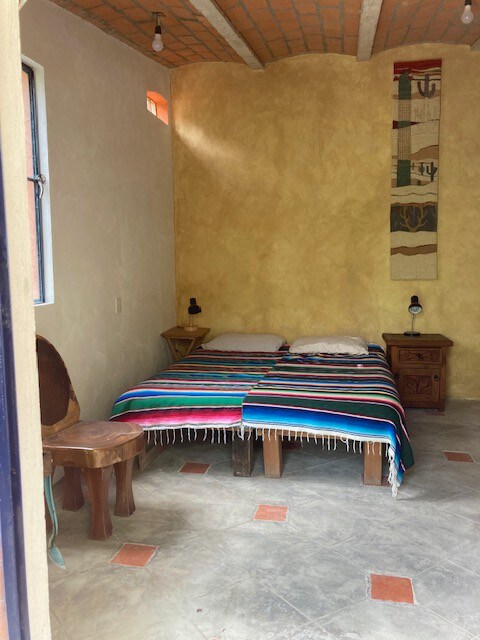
<point>419,365</point>
<point>182,342</point>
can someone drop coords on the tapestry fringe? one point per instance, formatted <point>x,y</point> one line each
<point>327,441</point>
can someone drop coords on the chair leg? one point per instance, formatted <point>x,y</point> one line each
<point>98,481</point>
<point>72,494</point>
<point>125,504</point>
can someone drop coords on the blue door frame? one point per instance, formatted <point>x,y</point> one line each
<point>11,518</point>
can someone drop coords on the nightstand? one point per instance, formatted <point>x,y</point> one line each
<point>419,365</point>
<point>189,340</point>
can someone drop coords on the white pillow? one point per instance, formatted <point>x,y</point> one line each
<point>245,342</point>
<point>330,344</point>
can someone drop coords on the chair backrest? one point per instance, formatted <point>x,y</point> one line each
<point>59,407</point>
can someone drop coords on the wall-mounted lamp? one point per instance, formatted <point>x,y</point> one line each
<point>467,15</point>
<point>157,42</point>
<point>414,309</point>
<point>193,309</point>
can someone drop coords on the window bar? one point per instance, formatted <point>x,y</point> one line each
<point>37,178</point>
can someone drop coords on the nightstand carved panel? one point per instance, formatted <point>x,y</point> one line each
<point>418,364</point>
<point>420,355</point>
<point>418,386</point>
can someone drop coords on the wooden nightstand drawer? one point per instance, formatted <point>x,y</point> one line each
<point>419,366</point>
<point>416,355</point>
<point>417,386</point>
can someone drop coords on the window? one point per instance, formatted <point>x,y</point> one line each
<point>38,202</point>
<point>151,106</point>
<point>157,105</point>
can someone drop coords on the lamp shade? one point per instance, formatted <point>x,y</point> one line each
<point>415,306</point>
<point>194,308</point>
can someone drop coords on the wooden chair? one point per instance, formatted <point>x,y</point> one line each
<point>96,448</point>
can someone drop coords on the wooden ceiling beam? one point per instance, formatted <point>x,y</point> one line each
<point>369,15</point>
<point>219,22</point>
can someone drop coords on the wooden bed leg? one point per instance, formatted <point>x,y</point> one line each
<point>242,456</point>
<point>272,455</point>
<point>372,463</point>
<point>148,454</point>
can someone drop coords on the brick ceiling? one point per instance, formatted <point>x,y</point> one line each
<point>273,29</point>
<point>187,35</point>
<point>413,21</point>
<point>278,28</point>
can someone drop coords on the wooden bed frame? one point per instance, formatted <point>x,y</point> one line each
<point>272,457</point>
<point>242,457</point>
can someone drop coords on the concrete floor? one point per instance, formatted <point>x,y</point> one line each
<point>221,574</point>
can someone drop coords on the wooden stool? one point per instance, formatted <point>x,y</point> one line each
<point>97,448</point>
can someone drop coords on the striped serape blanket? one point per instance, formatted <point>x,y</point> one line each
<point>350,398</point>
<point>204,390</point>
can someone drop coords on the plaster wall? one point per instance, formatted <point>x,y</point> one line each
<point>282,191</point>
<point>13,160</point>
<point>111,202</point>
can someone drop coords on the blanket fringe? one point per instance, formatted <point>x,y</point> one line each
<point>327,441</point>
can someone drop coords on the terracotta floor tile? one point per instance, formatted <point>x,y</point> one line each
<point>391,588</point>
<point>134,555</point>
<point>194,467</point>
<point>271,512</point>
<point>457,456</point>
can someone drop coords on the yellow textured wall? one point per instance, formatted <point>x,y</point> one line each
<point>282,201</point>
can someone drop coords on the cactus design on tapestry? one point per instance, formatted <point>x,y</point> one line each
<point>414,199</point>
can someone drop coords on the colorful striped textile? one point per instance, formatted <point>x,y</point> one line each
<point>203,390</point>
<point>350,398</point>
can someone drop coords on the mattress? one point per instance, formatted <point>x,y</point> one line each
<point>203,390</point>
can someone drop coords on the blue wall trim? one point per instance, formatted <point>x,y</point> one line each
<point>11,520</point>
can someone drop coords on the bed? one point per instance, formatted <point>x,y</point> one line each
<point>203,391</point>
<point>331,398</point>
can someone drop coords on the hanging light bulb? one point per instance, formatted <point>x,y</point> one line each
<point>467,15</point>
<point>157,42</point>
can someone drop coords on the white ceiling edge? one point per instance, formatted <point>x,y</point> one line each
<point>219,22</point>
<point>369,15</point>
